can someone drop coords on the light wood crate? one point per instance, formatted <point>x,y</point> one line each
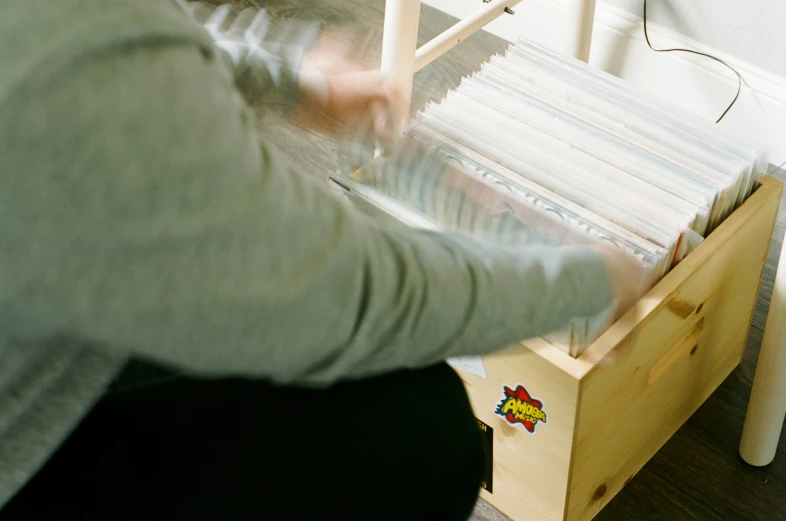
<point>610,410</point>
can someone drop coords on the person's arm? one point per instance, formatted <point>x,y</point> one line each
<point>262,66</point>
<point>155,223</point>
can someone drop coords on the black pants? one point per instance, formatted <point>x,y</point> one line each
<point>401,447</point>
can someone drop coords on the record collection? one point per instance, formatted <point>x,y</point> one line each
<point>541,148</point>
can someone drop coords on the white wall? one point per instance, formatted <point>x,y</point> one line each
<point>695,83</point>
<point>751,30</point>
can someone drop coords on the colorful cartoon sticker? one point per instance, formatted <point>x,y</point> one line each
<point>519,408</point>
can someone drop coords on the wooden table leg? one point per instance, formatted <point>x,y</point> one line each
<point>767,406</point>
<point>581,20</point>
<point>399,43</point>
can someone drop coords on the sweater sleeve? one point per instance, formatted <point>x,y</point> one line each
<point>262,66</point>
<point>169,230</point>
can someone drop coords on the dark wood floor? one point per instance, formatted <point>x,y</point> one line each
<point>698,475</point>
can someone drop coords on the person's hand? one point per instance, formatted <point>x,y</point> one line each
<point>625,275</point>
<point>339,95</point>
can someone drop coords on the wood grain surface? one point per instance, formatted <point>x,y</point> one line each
<point>698,475</point>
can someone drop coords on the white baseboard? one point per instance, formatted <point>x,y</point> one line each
<point>693,82</point>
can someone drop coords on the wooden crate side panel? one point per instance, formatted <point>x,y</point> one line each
<point>647,307</point>
<point>669,365</point>
<point>530,470</point>
<point>664,401</point>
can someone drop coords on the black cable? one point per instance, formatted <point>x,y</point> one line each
<point>740,79</point>
<point>776,169</point>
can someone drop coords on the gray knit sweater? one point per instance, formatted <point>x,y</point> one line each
<point>142,214</point>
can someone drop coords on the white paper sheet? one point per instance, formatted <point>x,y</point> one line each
<point>470,364</point>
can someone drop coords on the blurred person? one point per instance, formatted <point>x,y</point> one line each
<point>192,329</point>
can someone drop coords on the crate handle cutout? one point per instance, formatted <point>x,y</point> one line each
<point>688,343</point>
